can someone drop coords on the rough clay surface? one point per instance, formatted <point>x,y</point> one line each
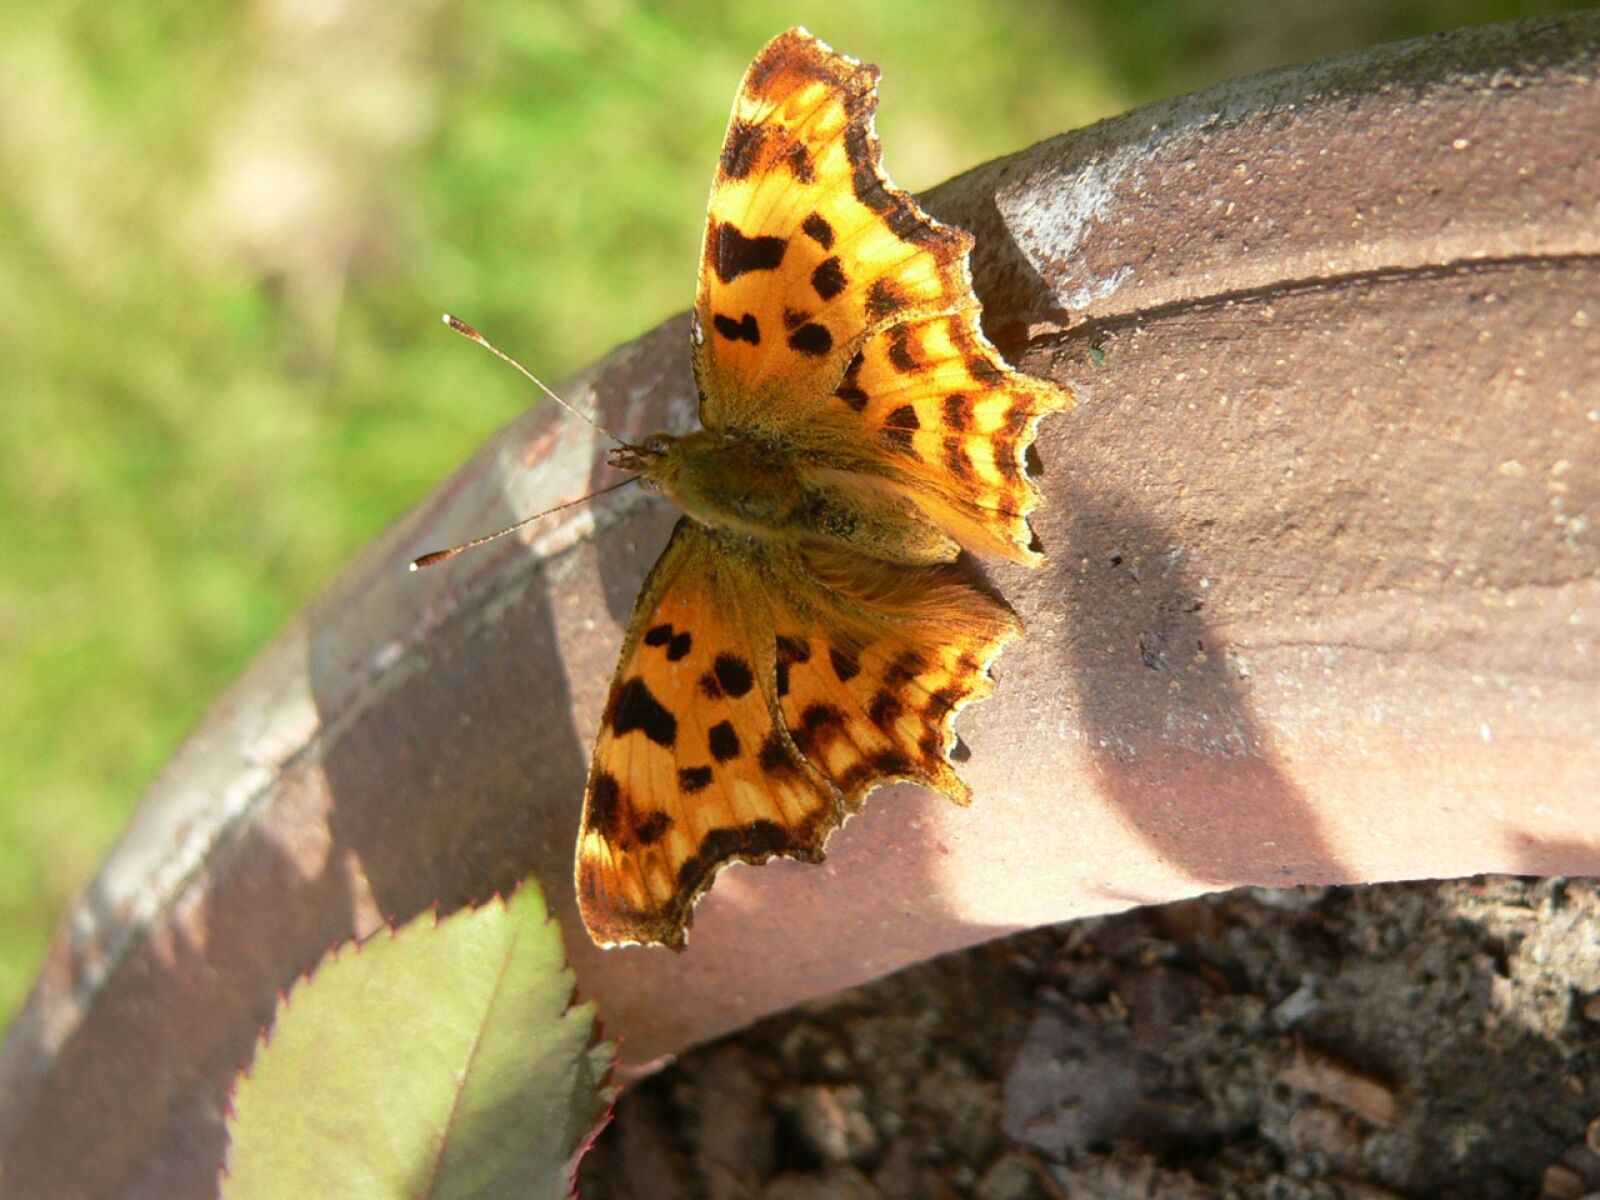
<point>1306,1044</point>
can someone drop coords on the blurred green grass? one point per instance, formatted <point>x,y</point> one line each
<point>225,236</point>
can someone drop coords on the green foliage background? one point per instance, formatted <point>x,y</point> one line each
<point>226,232</point>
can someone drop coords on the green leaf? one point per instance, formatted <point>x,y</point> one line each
<point>439,1060</point>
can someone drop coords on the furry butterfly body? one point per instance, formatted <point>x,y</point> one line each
<point>806,637</point>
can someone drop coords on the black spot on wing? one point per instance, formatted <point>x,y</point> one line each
<point>884,710</point>
<point>956,460</point>
<point>637,708</point>
<point>798,159</point>
<point>650,829</point>
<point>733,675</point>
<point>793,649</point>
<point>849,390</point>
<point>979,365</point>
<point>904,417</point>
<point>606,805</point>
<point>679,646</point>
<point>818,719</point>
<point>723,742</point>
<point>897,437</point>
<point>958,411</point>
<point>818,230</point>
<point>812,339</point>
<point>732,254</point>
<point>709,687</point>
<point>984,371</point>
<point>943,701</point>
<point>776,757</point>
<point>740,151</point>
<point>898,428</point>
<point>901,355</point>
<point>907,665</point>
<point>891,762</point>
<point>828,279</point>
<point>693,779</point>
<point>657,635</point>
<point>745,330</point>
<point>845,668</point>
<point>883,300</point>
<point>854,776</point>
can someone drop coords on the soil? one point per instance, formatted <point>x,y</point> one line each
<point>1411,1040</point>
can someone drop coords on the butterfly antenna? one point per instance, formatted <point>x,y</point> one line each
<point>468,332</point>
<point>433,557</point>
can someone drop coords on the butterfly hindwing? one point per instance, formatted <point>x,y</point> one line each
<point>871,701</point>
<point>757,702</point>
<point>691,769</point>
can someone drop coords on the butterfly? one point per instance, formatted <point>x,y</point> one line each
<point>806,636</point>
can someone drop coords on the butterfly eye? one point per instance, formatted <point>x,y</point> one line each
<point>657,444</point>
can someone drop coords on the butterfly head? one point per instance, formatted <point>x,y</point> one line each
<point>650,458</point>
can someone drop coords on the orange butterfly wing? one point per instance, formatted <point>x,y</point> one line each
<point>808,247</point>
<point>757,701</point>
<point>931,407</point>
<point>832,308</point>
<point>874,663</point>
<point>689,770</point>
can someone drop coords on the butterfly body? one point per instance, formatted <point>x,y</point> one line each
<point>807,635</point>
<point>786,494</point>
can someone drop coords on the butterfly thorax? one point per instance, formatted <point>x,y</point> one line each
<point>778,492</point>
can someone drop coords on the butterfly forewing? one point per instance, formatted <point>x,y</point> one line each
<point>808,247</point>
<point>931,406</point>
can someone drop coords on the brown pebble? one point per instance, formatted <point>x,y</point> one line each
<point>1340,1084</point>
<point>1591,1137</point>
<point>833,1122</point>
<point>1561,1183</point>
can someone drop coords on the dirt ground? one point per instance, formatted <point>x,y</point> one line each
<point>1418,1040</point>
